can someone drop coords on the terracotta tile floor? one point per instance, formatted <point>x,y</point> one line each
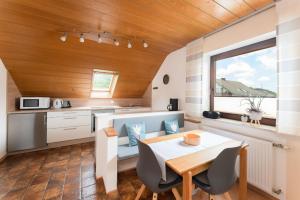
<point>69,173</point>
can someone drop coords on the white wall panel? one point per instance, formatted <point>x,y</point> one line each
<point>3,109</point>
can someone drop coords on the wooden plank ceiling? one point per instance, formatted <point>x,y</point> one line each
<point>42,65</point>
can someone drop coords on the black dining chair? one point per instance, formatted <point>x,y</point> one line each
<point>220,176</point>
<point>149,172</point>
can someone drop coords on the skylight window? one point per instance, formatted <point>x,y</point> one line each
<point>103,83</point>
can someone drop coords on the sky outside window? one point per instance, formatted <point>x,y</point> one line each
<point>102,81</point>
<point>257,69</point>
<point>251,74</point>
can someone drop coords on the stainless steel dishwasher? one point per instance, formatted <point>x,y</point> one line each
<point>26,131</point>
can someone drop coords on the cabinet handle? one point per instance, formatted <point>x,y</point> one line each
<point>45,119</point>
<point>70,118</point>
<point>68,113</point>
<point>68,129</point>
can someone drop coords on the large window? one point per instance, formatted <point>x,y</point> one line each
<point>247,72</point>
<point>103,83</point>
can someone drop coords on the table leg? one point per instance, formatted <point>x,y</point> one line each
<point>187,186</point>
<point>243,174</point>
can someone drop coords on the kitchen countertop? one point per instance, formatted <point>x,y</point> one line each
<point>140,114</point>
<point>78,109</point>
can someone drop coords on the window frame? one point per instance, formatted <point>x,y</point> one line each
<point>228,54</point>
<point>104,93</point>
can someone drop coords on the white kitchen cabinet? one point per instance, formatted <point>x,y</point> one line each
<point>68,133</point>
<point>70,113</point>
<point>68,125</point>
<point>68,121</point>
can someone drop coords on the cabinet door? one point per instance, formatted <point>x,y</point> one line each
<point>70,133</point>
<point>26,131</point>
<point>62,122</point>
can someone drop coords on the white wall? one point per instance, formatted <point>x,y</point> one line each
<point>288,10</point>
<point>252,27</point>
<point>3,107</point>
<point>174,66</point>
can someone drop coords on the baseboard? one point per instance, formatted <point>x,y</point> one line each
<point>55,145</point>
<point>3,158</point>
<point>261,192</point>
<point>70,142</point>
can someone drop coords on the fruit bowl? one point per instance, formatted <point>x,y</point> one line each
<point>192,139</point>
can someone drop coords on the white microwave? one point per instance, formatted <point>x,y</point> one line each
<point>34,103</point>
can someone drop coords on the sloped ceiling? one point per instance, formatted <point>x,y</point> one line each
<point>42,65</point>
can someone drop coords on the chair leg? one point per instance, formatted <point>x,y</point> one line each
<point>140,192</point>
<point>154,196</point>
<point>227,196</point>
<point>211,197</point>
<point>176,194</point>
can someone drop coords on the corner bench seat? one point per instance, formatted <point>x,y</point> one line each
<point>125,151</point>
<point>154,127</point>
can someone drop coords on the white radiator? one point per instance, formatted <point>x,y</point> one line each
<point>260,161</point>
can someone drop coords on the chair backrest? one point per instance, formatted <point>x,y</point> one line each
<point>148,169</point>
<point>221,174</point>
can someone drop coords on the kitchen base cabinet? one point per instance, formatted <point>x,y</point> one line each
<point>69,125</point>
<point>70,133</point>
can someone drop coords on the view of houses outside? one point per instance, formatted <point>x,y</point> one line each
<point>253,74</point>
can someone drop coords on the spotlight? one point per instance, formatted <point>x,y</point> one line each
<point>116,42</point>
<point>63,38</point>
<point>145,44</point>
<point>81,39</point>
<point>99,38</point>
<point>129,45</point>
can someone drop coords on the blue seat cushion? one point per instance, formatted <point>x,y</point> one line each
<point>126,151</point>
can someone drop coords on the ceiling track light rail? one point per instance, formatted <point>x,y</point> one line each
<point>105,37</point>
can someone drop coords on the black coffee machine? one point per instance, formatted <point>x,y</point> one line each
<point>173,106</point>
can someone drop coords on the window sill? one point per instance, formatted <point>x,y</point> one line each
<point>214,122</point>
<point>193,120</point>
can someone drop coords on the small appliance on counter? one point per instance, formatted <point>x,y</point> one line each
<point>173,106</point>
<point>60,103</point>
<point>57,103</point>
<point>27,103</point>
<point>66,104</point>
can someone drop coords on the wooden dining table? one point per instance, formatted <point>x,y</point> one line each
<point>189,165</point>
